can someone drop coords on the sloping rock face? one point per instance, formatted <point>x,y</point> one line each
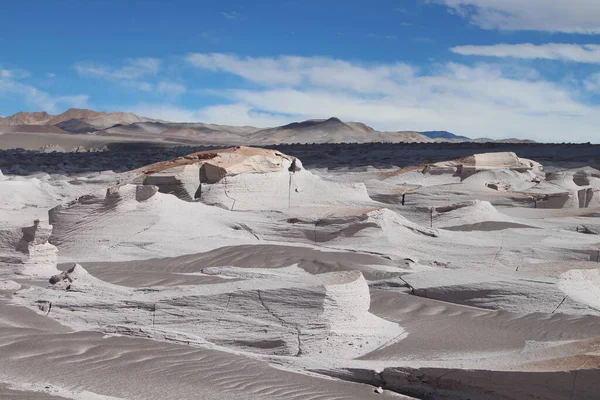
<point>508,173</point>
<point>137,222</point>
<point>95,210</point>
<point>27,118</point>
<point>182,181</point>
<point>468,166</point>
<point>282,190</point>
<point>226,162</point>
<point>329,316</point>
<point>285,312</point>
<point>41,256</point>
<point>27,251</point>
<point>576,188</point>
<point>474,215</point>
<point>125,193</point>
<point>375,225</point>
<point>246,178</point>
<point>184,176</point>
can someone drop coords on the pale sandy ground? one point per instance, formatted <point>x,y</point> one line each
<point>280,282</point>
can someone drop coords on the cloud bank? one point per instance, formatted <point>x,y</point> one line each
<point>581,53</point>
<point>569,16</point>
<point>482,100</point>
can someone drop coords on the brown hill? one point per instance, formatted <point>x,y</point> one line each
<point>73,118</point>
<point>27,118</point>
<point>31,129</point>
<point>74,113</point>
<point>43,118</point>
<point>331,130</point>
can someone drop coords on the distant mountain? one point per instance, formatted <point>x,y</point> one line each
<point>42,129</point>
<point>510,140</point>
<point>443,135</point>
<point>123,124</point>
<point>106,120</point>
<point>331,130</point>
<point>27,118</point>
<point>76,126</point>
<point>73,113</point>
<point>96,119</point>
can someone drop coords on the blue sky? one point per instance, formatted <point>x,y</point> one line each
<point>493,68</point>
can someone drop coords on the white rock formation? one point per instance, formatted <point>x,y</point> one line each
<point>9,285</point>
<point>473,215</point>
<point>487,161</point>
<point>582,285</point>
<point>182,181</point>
<point>245,178</point>
<point>285,312</point>
<point>26,251</point>
<point>282,190</point>
<point>126,223</point>
<point>577,188</point>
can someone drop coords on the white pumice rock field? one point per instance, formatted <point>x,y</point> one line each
<point>239,273</point>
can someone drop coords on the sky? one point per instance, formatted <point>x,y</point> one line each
<point>480,68</point>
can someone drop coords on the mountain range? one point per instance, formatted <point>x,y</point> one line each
<point>127,125</point>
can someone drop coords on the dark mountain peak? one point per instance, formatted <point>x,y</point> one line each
<point>442,135</point>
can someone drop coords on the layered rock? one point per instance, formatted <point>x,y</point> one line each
<point>182,181</point>
<point>137,222</point>
<point>283,311</point>
<point>41,256</point>
<point>468,166</point>
<point>26,251</point>
<point>576,188</point>
<point>472,215</point>
<point>245,178</point>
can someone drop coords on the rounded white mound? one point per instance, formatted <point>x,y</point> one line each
<point>582,285</point>
<point>137,222</point>
<point>473,215</point>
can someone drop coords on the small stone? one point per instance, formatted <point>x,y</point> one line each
<point>379,390</point>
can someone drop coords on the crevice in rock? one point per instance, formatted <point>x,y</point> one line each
<point>284,323</point>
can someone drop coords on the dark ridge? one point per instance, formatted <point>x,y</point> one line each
<point>443,135</point>
<point>309,123</point>
<point>127,156</point>
<point>76,126</point>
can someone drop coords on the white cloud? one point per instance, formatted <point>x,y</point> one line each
<point>386,37</point>
<point>227,114</point>
<point>592,83</point>
<point>134,68</point>
<point>132,76</point>
<point>483,100</point>
<point>38,99</point>
<point>583,53</point>
<point>164,112</point>
<point>572,16</point>
<point>318,71</point>
<point>231,15</point>
<point>50,74</point>
<point>138,85</point>
<point>170,89</point>
<point>15,74</point>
